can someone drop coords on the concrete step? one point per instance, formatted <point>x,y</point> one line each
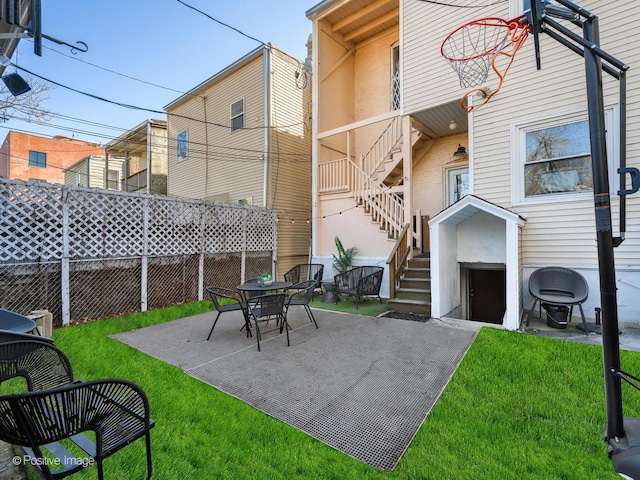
<point>420,262</point>
<point>417,294</point>
<point>413,306</point>
<point>421,283</point>
<point>417,273</point>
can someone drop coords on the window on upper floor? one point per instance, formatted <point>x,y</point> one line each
<point>395,77</point>
<point>237,115</point>
<point>37,159</point>
<point>553,158</point>
<point>113,180</point>
<point>181,146</point>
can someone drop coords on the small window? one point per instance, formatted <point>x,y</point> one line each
<point>113,180</point>
<point>237,115</point>
<point>395,77</point>
<point>37,159</point>
<point>245,201</point>
<point>182,146</point>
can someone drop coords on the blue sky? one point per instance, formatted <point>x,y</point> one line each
<point>162,42</point>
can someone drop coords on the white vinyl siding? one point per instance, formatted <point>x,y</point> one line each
<point>427,78</point>
<point>290,166</point>
<point>560,232</point>
<point>234,159</point>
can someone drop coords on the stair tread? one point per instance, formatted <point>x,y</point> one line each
<point>408,301</point>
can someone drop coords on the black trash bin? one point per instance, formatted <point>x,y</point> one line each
<point>557,315</point>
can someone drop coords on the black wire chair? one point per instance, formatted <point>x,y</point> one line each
<point>301,294</point>
<point>232,303</point>
<point>264,308</point>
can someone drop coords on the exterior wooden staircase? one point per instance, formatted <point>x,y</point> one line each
<point>414,293</point>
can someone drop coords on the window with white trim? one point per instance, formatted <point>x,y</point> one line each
<point>237,115</point>
<point>181,145</point>
<point>553,158</point>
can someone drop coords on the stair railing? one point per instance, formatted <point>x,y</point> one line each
<point>383,146</point>
<point>386,207</point>
<point>398,259</point>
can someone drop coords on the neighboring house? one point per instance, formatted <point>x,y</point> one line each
<point>243,136</point>
<point>391,139</point>
<point>144,149</point>
<point>31,157</point>
<point>89,172</point>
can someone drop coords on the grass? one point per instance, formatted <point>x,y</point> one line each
<point>518,407</point>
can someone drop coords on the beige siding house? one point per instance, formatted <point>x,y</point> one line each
<point>244,136</point>
<point>90,172</point>
<point>393,147</point>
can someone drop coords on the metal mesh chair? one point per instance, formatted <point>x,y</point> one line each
<point>264,308</point>
<point>559,287</point>
<point>306,271</point>
<point>225,300</point>
<point>301,294</point>
<point>360,282</point>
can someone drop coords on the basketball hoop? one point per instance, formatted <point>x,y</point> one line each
<point>472,50</point>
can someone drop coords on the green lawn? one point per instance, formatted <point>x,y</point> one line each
<point>518,407</point>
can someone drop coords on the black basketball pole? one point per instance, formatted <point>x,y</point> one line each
<point>622,434</point>
<point>604,234</point>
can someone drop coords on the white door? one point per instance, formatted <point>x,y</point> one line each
<point>457,184</point>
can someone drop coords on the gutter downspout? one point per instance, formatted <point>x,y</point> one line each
<point>148,189</point>
<point>266,62</point>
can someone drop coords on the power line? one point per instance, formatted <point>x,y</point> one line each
<point>222,23</point>
<point>134,107</point>
<point>444,4</point>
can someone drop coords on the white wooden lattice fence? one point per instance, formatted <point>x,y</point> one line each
<point>89,254</point>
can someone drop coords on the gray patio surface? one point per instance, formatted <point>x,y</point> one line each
<point>362,385</point>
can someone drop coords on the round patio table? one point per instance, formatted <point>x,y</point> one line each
<point>254,287</point>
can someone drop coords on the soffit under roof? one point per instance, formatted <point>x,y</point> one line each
<point>358,20</point>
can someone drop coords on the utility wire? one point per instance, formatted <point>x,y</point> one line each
<point>134,107</point>
<point>444,4</point>
<point>222,23</point>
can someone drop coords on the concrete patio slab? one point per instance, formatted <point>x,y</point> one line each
<point>362,385</point>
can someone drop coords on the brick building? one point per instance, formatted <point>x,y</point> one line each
<point>30,157</point>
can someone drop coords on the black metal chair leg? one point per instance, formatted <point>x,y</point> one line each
<point>214,325</point>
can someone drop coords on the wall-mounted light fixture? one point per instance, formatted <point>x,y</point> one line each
<point>460,152</point>
<point>16,84</point>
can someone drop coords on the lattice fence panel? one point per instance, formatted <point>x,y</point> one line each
<point>222,270</point>
<point>28,287</point>
<point>104,288</point>
<point>175,227</point>
<point>261,230</point>
<point>105,225</point>
<point>31,222</point>
<point>224,229</point>
<point>172,280</point>
<point>106,235</point>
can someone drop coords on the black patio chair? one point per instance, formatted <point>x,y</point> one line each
<point>40,363</point>
<point>360,282</point>
<point>558,287</point>
<point>15,322</point>
<point>301,294</point>
<point>267,307</point>
<point>58,409</point>
<point>117,411</point>
<point>232,303</point>
<point>306,271</point>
